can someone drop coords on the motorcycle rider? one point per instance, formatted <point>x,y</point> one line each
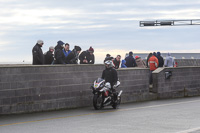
<point>110,75</point>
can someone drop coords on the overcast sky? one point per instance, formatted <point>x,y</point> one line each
<point>110,26</point>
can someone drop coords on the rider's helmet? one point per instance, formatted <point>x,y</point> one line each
<point>109,64</point>
<point>107,85</point>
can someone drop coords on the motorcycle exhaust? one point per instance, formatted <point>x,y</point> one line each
<point>120,93</point>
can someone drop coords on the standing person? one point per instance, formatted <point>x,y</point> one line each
<point>169,61</point>
<point>38,57</point>
<point>153,64</point>
<point>123,65</point>
<point>160,59</point>
<point>130,61</point>
<point>154,53</point>
<point>87,57</point>
<point>116,61</point>
<point>48,56</point>
<point>59,55</point>
<point>149,56</point>
<point>72,58</point>
<point>140,63</point>
<point>108,57</point>
<point>66,50</point>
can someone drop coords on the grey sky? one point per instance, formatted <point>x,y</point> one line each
<point>110,26</point>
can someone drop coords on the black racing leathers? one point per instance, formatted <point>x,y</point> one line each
<point>110,75</point>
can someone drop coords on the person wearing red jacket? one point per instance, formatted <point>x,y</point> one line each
<point>153,65</point>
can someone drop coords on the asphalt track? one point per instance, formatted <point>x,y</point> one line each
<point>161,116</point>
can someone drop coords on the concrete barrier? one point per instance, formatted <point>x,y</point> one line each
<point>30,88</point>
<point>41,88</point>
<point>188,62</point>
<point>184,81</point>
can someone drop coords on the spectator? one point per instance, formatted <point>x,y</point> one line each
<point>48,56</point>
<point>72,58</point>
<point>153,64</point>
<point>87,57</point>
<point>66,50</point>
<point>140,63</point>
<point>154,53</point>
<point>169,61</point>
<point>108,57</point>
<point>160,59</point>
<point>149,56</point>
<point>38,57</point>
<point>59,55</point>
<point>130,61</point>
<point>116,62</point>
<point>123,65</point>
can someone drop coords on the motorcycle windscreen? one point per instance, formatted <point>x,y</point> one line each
<point>99,80</point>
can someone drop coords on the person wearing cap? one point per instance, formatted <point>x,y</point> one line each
<point>59,55</point>
<point>48,56</point>
<point>160,59</point>
<point>87,57</point>
<point>38,57</point>
<point>130,61</point>
<point>72,58</point>
<point>140,63</point>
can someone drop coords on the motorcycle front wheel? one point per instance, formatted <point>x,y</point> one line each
<point>117,103</point>
<point>97,101</point>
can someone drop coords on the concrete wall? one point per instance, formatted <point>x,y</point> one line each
<point>185,81</point>
<point>188,62</point>
<point>41,88</point>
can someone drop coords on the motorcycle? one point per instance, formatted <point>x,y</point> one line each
<point>103,95</point>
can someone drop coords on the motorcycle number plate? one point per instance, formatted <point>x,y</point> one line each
<point>95,85</point>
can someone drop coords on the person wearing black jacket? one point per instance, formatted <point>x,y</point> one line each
<point>130,61</point>
<point>59,55</point>
<point>38,57</point>
<point>48,56</point>
<point>160,60</point>
<point>72,58</point>
<point>87,57</point>
<point>110,74</point>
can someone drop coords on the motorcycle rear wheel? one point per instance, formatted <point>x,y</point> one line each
<point>97,102</point>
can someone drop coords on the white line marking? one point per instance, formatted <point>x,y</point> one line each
<point>190,130</point>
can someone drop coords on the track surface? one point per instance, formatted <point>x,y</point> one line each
<point>162,116</point>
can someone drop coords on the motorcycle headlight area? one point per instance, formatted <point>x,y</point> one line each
<point>101,86</point>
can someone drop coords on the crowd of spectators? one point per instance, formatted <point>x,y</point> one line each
<point>61,54</point>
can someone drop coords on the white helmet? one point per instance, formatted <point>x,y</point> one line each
<point>109,63</point>
<point>107,85</point>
